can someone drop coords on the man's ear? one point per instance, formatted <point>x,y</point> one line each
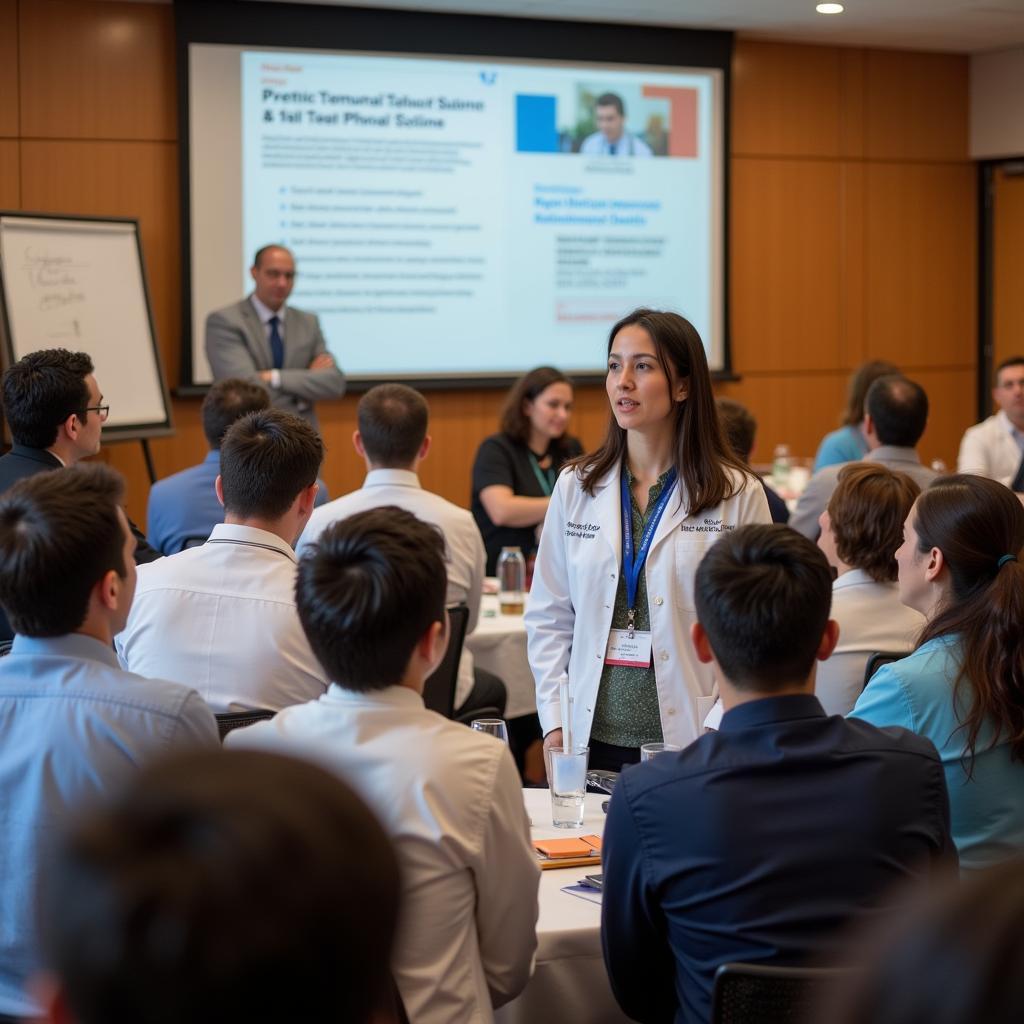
<point>701,644</point>
<point>218,487</point>
<point>357,443</point>
<point>307,499</point>
<point>424,448</point>
<point>829,639</point>
<point>432,646</point>
<point>108,590</point>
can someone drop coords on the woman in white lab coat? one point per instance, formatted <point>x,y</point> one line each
<point>625,649</point>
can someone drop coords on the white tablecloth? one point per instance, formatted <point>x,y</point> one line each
<point>499,645</point>
<point>569,984</point>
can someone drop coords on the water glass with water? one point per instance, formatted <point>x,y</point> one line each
<point>511,581</point>
<point>495,727</point>
<point>567,777</point>
<point>652,750</point>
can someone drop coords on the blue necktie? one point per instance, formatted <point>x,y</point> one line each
<point>611,148</point>
<point>276,344</point>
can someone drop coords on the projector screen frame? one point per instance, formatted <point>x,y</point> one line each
<point>373,30</point>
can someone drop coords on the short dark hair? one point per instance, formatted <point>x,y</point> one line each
<point>763,597</point>
<point>41,390</point>
<point>610,99</point>
<point>739,425</point>
<point>898,407</point>
<point>857,388</point>
<point>867,511</point>
<point>264,249</point>
<point>60,534</point>
<point>1007,363</point>
<point>226,401</point>
<point>392,424</point>
<point>266,459</point>
<point>224,886</point>
<point>367,591</point>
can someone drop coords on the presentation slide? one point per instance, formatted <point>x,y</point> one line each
<point>451,216</point>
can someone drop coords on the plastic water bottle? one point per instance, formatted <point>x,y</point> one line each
<point>781,464</point>
<point>511,581</point>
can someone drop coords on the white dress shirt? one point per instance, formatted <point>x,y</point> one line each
<point>221,618</point>
<point>266,314</point>
<point>465,548</point>
<point>993,448</point>
<point>450,799</point>
<point>871,618</point>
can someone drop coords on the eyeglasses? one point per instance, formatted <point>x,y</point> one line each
<point>102,410</point>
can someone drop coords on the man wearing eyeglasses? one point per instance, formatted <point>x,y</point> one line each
<point>55,412</point>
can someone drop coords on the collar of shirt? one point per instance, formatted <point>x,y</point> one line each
<point>854,578</point>
<point>392,477</point>
<point>265,313</point>
<point>213,456</point>
<point>1004,422</point>
<point>768,710</point>
<point>389,697</point>
<point>71,645</point>
<point>233,534</point>
<point>893,453</point>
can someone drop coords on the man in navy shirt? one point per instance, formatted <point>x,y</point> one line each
<point>762,841</point>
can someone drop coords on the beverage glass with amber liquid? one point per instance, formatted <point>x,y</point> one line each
<point>511,581</point>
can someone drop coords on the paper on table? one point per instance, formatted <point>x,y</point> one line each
<point>584,892</point>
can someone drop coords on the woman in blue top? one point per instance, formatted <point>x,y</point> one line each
<point>963,686</point>
<point>848,443</point>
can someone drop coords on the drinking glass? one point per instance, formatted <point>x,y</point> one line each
<point>495,727</point>
<point>652,750</point>
<point>568,780</point>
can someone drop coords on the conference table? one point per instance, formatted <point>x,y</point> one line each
<point>569,982</point>
<point>499,645</point>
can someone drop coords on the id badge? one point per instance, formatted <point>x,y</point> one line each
<point>633,651</point>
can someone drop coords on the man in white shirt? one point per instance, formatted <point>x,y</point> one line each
<point>221,617</point>
<point>995,447</point>
<point>611,138</point>
<point>392,440</point>
<point>371,598</point>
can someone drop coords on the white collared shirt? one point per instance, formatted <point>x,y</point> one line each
<point>266,314</point>
<point>450,799</point>
<point>221,618</point>
<point>465,548</point>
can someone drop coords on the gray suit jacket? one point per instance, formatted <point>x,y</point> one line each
<point>237,346</point>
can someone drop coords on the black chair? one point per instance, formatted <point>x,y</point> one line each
<point>228,720</point>
<point>439,689</point>
<point>759,994</point>
<point>5,647</point>
<point>877,660</point>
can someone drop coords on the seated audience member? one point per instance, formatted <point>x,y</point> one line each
<point>848,443</point>
<point>895,415</point>
<point>184,507</point>
<point>222,616</point>
<point>995,447</point>
<point>74,725</point>
<point>740,429</point>
<point>371,595</point>
<point>963,687</point>
<point>795,823</point>
<point>392,440</point>
<point>955,959</point>
<point>222,887</point>
<point>860,531</point>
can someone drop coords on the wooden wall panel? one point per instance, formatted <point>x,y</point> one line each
<point>119,179</point>
<point>97,70</point>
<point>785,262</point>
<point>10,190</point>
<point>951,411</point>
<point>9,68</point>
<point>920,255</point>
<point>1008,246</point>
<point>916,106</point>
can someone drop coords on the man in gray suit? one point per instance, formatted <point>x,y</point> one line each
<point>282,347</point>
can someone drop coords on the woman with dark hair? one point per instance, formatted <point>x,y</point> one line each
<point>860,529</point>
<point>515,469</point>
<point>612,600</point>
<point>848,443</point>
<point>963,687</point>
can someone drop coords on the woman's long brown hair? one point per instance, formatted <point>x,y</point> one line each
<point>974,522</point>
<point>701,454</point>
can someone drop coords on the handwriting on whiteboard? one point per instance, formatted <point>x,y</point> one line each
<point>56,276</point>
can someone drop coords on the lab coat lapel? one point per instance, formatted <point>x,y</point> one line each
<point>608,512</point>
<point>675,513</point>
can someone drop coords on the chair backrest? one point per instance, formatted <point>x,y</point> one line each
<point>439,689</point>
<point>759,994</point>
<point>5,647</point>
<point>877,660</point>
<point>228,720</point>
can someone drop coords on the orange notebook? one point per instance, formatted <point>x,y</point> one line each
<point>568,853</point>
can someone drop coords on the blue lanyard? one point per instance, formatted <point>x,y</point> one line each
<point>633,563</point>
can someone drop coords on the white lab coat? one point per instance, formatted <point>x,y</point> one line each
<point>569,611</point>
<point>989,449</point>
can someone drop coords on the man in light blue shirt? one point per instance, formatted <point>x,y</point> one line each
<point>184,507</point>
<point>74,724</point>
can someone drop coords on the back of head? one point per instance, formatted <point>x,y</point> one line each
<point>739,426</point>
<point>514,420</point>
<point>368,590</point>
<point>228,400</point>
<point>867,511</point>
<point>41,390</point>
<point>266,459</point>
<point>392,425</point>
<point>978,525</point>
<point>899,409</point>
<point>863,377</point>
<point>763,597</point>
<point>224,887</point>
<point>60,534</point>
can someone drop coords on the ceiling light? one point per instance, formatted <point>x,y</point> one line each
<point>829,8</point>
